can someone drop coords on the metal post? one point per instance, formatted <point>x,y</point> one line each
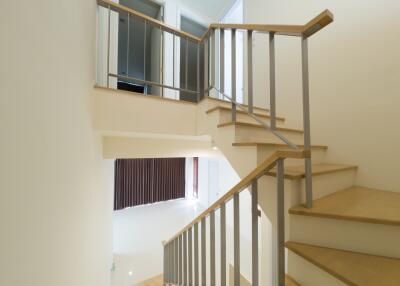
<point>162,61</point>
<point>127,47</point>
<point>203,252</point>
<point>196,254</point>
<point>190,258</point>
<point>109,44</point>
<point>236,240</point>
<point>306,122</point>
<point>198,72</point>
<point>176,272</point>
<point>144,56</point>
<point>222,61</point>
<point>180,248</point>
<point>212,59</point>
<point>250,69</point>
<point>164,265</point>
<point>233,59</point>
<point>206,70</point>
<point>212,248</point>
<point>280,223</point>
<point>173,60</point>
<point>186,63</point>
<point>272,89</point>
<point>223,245</point>
<point>184,282</point>
<point>254,231</point>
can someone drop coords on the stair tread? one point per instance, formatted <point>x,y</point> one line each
<point>257,113</point>
<point>257,125</point>
<point>274,144</point>
<point>356,203</point>
<point>351,267</point>
<point>290,282</point>
<point>228,102</point>
<point>297,172</point>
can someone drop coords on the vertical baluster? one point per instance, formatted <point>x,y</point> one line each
<point>187,64</point>
<point>233,59</point>
<point>223,244</point>
<point>196,254</point>
<point>212,248</point>
<point>222,62</point>
<point>306,122</point>
<point>203,252</point>
<point>190,258</point>
<point>184,282</point>
<point>127,46</point>
<point>250,69</point>
<point>206,70</point>
<point>236,240</point>
<point>272,80</point>
<point>165,271</point>
<point>180,256</point>
<point>198,72</point>
<point>108,45</point>
<point>144,56</point>
<point>280,224</point>
<point>176,261</point>
<point>254,231</point>
<point>162,61</point>
<point>212,59</point>
<point>173,59</point>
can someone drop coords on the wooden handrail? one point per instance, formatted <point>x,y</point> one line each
<point>120,8</point>
<point>259,171</point>
<point>313,26</point>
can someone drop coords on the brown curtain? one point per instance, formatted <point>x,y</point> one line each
<point>146,181</point>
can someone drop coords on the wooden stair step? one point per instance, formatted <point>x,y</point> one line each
<point>274,144</point>
<point>257,125</point>
<point>356,204</point>
<point>290,282</point>
<point>297,172</point>
<point>221,101</point>
<point>351,267</point>
<point>257,113</point>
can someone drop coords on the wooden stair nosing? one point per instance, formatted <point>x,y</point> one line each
<point>356,204</point>
<point>273,144</point>
<point>316,170</point>
<point>258,114</point>
<point>245,105</point>
<point>353,268</point>
<point>290,282</point>
<point>241,123</point>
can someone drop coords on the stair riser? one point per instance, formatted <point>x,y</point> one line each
<point>323,185</point>
<point>250,133</point>
<point>307,274</point>
<point>376,239</point>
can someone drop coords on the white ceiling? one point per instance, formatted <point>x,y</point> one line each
<point>213,9</point>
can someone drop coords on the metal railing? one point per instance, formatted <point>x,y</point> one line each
<point>147,24</point>
<point>182,263</point>
<point>185,260</point>
<point>176,246</point>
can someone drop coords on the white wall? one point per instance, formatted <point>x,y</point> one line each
<point>354,72</point>
<point>56,228</point>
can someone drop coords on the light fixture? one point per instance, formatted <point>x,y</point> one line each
<point>215,148</point>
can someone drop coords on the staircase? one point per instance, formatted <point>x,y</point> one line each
<point>324,230</point>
